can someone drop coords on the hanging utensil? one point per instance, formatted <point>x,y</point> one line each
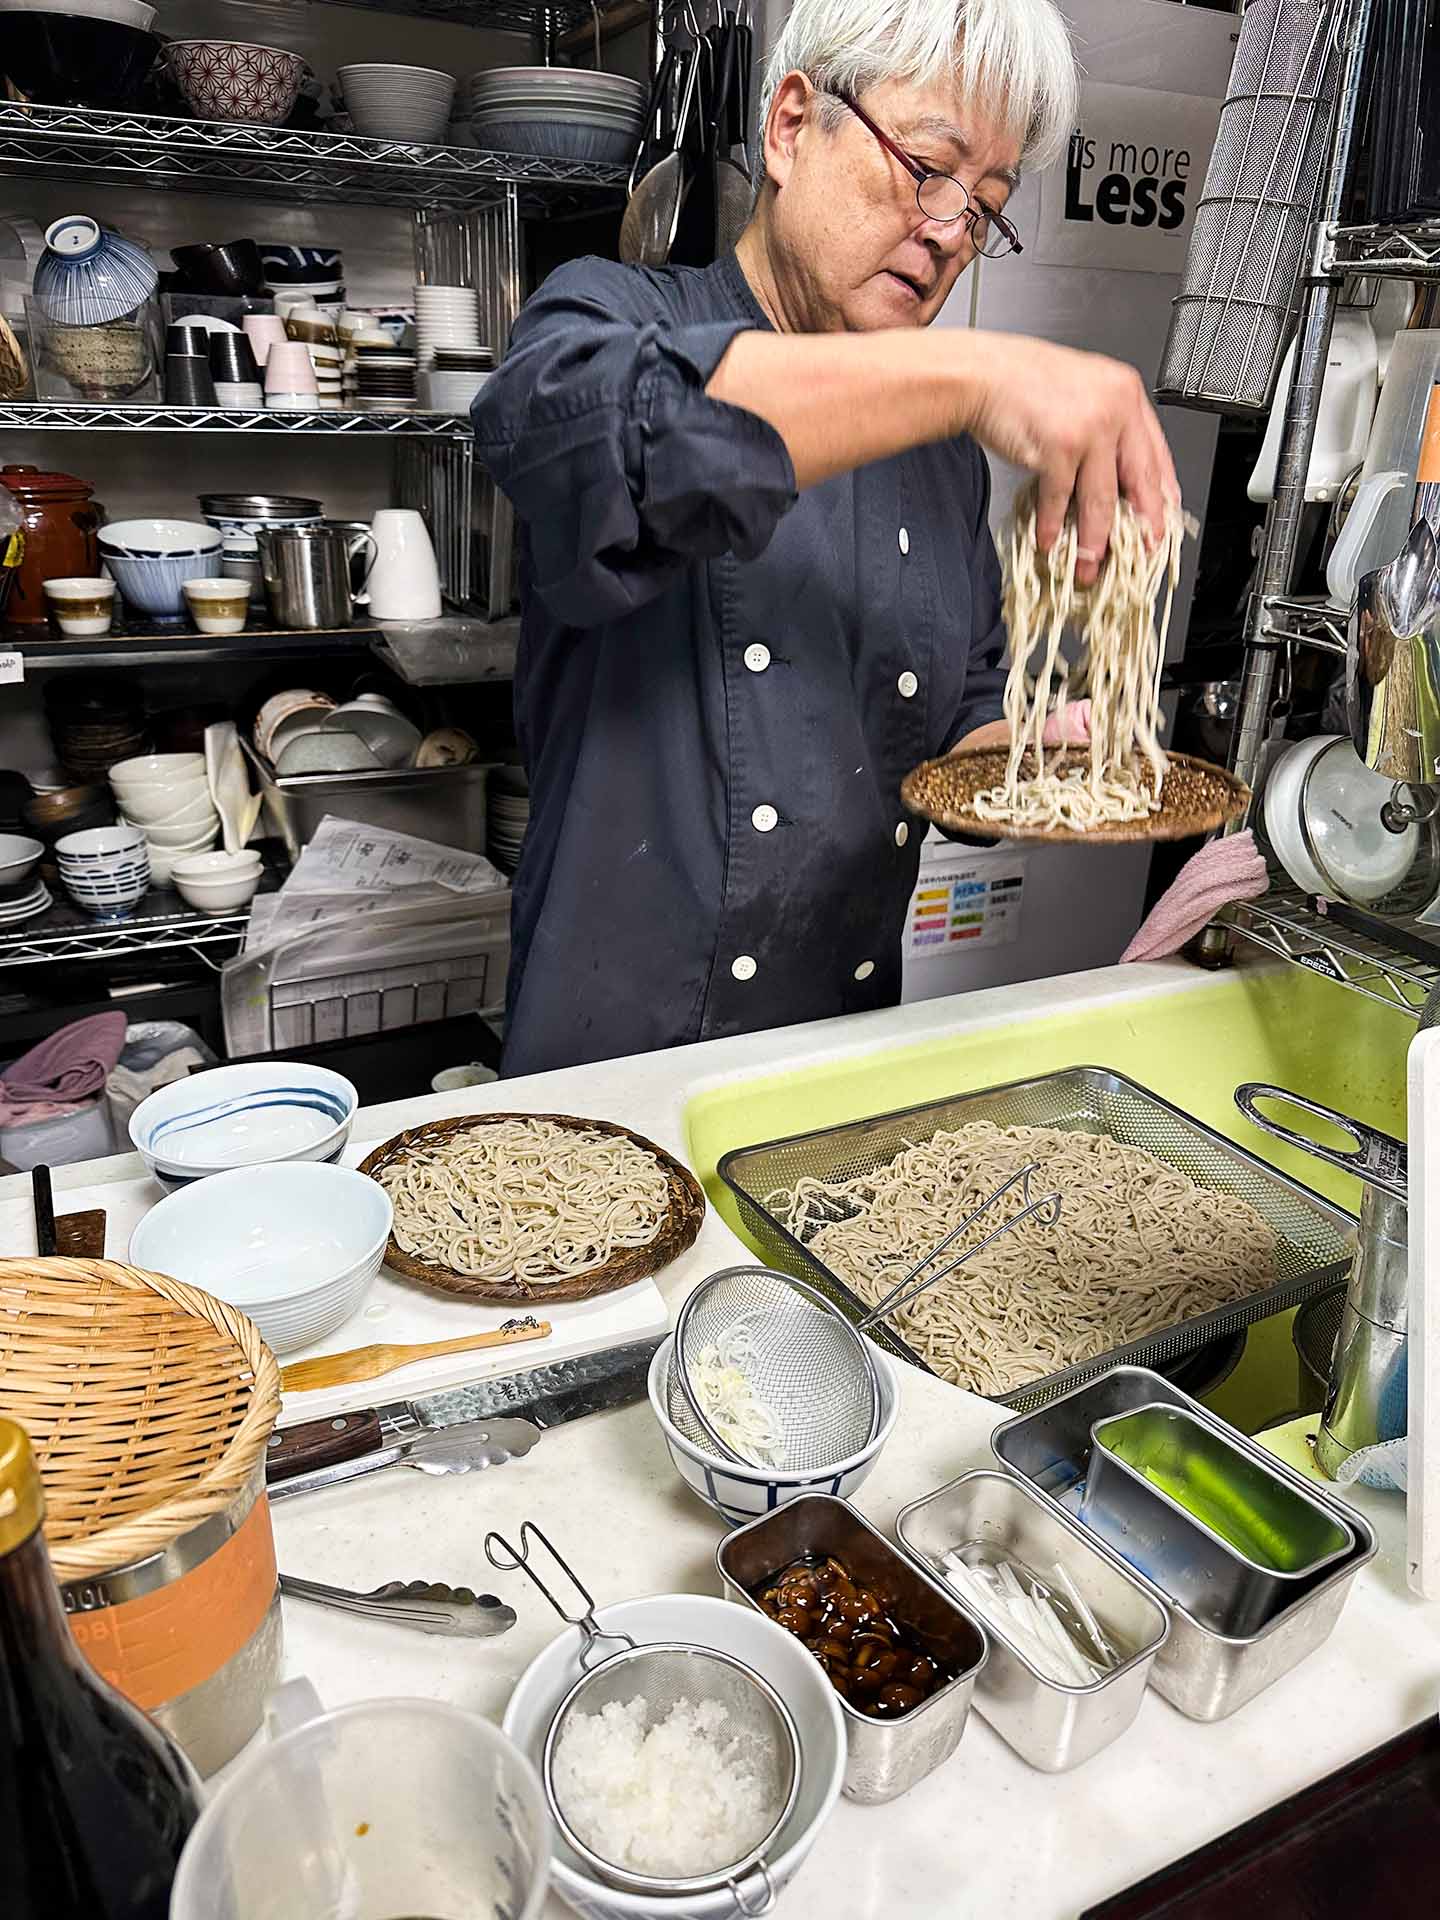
<point>731,178</point>
<point>648,229</point>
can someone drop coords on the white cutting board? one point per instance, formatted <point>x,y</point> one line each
<point>395,1312</point>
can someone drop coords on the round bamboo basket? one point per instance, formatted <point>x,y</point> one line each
<point>677,1231</point>
<point>148,1403</point>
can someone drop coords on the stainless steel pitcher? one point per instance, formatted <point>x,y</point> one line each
<point>307,573</point>
<point>1365,1402</point>
<point>1392,664</point>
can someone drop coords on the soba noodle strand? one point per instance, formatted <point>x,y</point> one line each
<point>1122,657</point>
<point>525,1200</point>
<point>1139,1246</point>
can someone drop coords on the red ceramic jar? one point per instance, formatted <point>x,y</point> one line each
<point>60,528</point>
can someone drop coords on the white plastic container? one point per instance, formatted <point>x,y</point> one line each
<point>1347,408</point>
<point>1379,518</point>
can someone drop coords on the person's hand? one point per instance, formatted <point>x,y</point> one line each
<point>1070,729</point>
<point>1085,425</point>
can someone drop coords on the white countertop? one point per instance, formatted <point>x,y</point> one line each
<point>985,1835</point>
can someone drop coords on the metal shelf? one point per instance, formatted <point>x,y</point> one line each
<point>154,416</point>
<point>1304,621</point>
<point>161,923</point>
<point>1402,253</point>
<point>139,644</point>
<point>500,16</point>
<point>1285,924</point>
<point>284,163</point>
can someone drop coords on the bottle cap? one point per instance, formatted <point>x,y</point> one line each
<point>22,1499</point>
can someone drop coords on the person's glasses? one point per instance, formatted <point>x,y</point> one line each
<point>942,197</point>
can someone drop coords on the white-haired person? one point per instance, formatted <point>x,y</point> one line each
<point>758,583</point>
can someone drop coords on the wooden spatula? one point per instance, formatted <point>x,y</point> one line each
<point>368,1363</point>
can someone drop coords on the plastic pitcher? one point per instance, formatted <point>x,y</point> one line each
<point>386,1810</point>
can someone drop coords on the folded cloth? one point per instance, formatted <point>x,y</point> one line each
<point>70,1065</point>
<point>1222,872</point>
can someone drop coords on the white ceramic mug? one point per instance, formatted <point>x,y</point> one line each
<point>405,579</point>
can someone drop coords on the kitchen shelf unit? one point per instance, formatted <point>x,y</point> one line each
<point>1286,924</point>
<point>155,416</point>
<point>290,164</point>
<point>162,923</point>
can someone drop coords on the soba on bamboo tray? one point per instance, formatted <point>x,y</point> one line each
<point>1121,784</point>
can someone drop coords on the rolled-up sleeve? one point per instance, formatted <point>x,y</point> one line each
<point>599,429</point>
<point>983,697</point>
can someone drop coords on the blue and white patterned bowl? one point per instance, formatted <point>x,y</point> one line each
<point>244,1116</point>
<point>90,275</point>
<point>158,539</point>
<point>740,1493</point>
<point>157,585</point>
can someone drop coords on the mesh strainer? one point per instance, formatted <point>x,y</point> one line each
<point>803,1360</point>
<point>661,1674</point>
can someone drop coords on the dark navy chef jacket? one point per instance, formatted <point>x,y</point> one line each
<point>721,683</point>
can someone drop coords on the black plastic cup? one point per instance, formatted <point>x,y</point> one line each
<point>231,359</point>
<point>185,337</point>
<point>188,382</point>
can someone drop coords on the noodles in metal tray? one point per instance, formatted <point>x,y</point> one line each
<point>1139,1247</point>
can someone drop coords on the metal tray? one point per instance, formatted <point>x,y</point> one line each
<point>1314,1236</point>
<point>1205,1675</point>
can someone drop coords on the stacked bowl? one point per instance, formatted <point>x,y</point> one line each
<point>238,517</point>
<point>165,797</point>
<point>295,1245</point>
<point>236,80</point>
<point>559,112</point>
<point>317,273</point>
<point>22,893</point>
<point>446,317</point>
<point>150,561</point>
<point>217,882</point>
<point>105,870</point>
<point>398,103</point>
<point>243,1116</point>
<point>94,721</point>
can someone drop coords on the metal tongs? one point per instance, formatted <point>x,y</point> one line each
<point>427,1605</point>
<point>898,1297</point>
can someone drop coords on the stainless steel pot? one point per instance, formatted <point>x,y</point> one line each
<point>307,573</point>
<point>1365,1402</point>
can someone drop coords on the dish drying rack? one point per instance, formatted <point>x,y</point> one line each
<point>1313,1237</point>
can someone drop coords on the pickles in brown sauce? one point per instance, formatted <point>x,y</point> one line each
<point>874,1661</point>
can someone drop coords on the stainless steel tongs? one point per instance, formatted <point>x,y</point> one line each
<point>427,1605</point>
<point>898,1297</point>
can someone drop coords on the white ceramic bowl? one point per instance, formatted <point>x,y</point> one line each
<point>1281,812</point>
<point>158,539</point>
<point>18,856</point>
<point>100,847</point>
<point>295,1245</point>
<point>193,811</point>
<point>774,1654</point>
<point>129,13</point>
<point>275,1111</point>
<point>214,893</point>
<point>740,1493</point>
<point>191,838</point>
<point>157,773</point>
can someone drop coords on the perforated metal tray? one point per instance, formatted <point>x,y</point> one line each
<point>1314,1237</point>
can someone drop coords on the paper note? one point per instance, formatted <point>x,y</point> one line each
<point>970,900</point>
<point>12,669</point>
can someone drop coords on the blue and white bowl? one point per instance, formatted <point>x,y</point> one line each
<point>244,1116</point>
<point>99,847</point>
<point>157,586</point>
<point>158,539</point>
<point>739,1493</point>
<point>90,275</point>
<point>296,1246</point>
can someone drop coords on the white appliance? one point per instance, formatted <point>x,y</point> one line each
<point>1154,76</point>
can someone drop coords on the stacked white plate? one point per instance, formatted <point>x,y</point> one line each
<point>562,112</point>
<point>26,906</point>
<point>507,816</point>
<point>446,317</point>
<point>398,103</point>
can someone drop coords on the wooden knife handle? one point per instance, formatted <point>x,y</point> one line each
<point>321,1443</point>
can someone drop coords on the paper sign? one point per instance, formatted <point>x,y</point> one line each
<point>12,669</point>
<point>970,901</point>
<point>1124,194</point>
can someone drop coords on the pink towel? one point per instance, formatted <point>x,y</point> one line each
<point>71,1065</point>
<point>1222,872</point>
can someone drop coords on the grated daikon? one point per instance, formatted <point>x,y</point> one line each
<point>676,1800</point>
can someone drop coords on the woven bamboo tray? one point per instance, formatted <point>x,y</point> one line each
<point>1196,798</point>
<point>687,1210</point>
<point>148,1403</point>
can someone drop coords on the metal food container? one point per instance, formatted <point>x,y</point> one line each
<point>445,804</point>
<point>1205,1674</point>
<point>1053,1725</point>
<point>1188,1558</point>
<point>886,1757</point>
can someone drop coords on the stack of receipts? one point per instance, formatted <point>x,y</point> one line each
<point>349,871</point>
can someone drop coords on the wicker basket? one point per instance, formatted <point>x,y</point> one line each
<point>149,1404</point>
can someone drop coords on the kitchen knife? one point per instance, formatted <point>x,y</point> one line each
<point>459,1430</point>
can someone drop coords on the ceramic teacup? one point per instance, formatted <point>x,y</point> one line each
<point>217,606</point>
<point>80,606</point>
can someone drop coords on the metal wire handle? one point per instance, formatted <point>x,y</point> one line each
<point>892,1302</point>
<point>591,1632</point>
